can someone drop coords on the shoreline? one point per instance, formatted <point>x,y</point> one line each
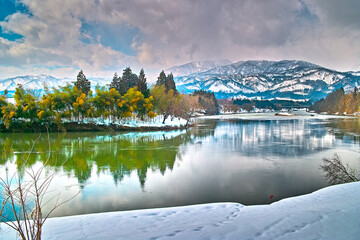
<point>310,216</point>
<point>26,127</point>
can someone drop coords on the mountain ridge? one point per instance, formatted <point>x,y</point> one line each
<point>261,79</point>
<point>196,66</point>
<point>38,82</point>
<point>293,79</point>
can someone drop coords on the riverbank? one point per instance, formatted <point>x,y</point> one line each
<point>275,116</point>
<point>329,213</point>
<point>154,124</point>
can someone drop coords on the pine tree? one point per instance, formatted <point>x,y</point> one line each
<point>82,83</point>
<point>127,81</point>
<point>142,85</point>
<point>209,102</point>
<point>170,83</point>
<point>133,80</point>
<point>161,79</point>
<point>115,83</point>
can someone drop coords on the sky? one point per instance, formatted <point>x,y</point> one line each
<point>60,37</point>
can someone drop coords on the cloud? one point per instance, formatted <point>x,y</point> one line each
<point>52,36</point>
<point>333,13</point>
<point>62,72</point>
<point>145,54</point>
<point>105,36</point>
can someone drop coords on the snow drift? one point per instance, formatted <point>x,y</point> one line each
<point>330,213</point>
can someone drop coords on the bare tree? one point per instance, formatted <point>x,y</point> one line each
<point>337,172</point>
<point>25,199</point>
<point>188,107</point>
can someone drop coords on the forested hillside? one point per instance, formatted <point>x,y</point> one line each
<point>339,102</point>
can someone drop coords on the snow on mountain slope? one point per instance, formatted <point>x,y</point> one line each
<point>261,67</point>
<point>30,82</point>
<point>268,79</point>
<point>289,79</point>
<point>195,67</point>
<point>40,81</point>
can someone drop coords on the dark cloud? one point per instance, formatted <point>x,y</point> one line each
<point>345,13</point>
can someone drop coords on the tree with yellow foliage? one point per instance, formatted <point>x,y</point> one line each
<point>165,103</point>
<point>26,104</point>
<point>131,98</point>
<point>8,112</point>
<point>104,103</point>
<point>82,105</point>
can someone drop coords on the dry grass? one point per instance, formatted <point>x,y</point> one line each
<point>26,199</point>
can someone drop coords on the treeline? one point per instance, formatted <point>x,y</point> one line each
<point>207,101</point>
<point>126,97</point>
<point>339,102</point>
<point>234,105</point>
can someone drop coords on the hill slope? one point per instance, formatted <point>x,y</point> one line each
<point>269,79</point>
<point>195,67</point>
<point>38,82</point>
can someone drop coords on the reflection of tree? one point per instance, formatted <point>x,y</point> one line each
<point>119,154</point>
<point>6,152</point>
<point>205,130</point>
<point>344,127</point>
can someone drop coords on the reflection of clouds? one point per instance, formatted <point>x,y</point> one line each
<point>291,137</point>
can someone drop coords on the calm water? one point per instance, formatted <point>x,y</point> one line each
<point>239,160</point>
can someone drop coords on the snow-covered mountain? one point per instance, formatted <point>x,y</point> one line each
<point>246,79</point>
<point>38,82</point>
<point>197,66</point>
<point>268,79</point>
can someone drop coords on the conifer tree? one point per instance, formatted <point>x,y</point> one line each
<point>170,83</point>
<point>115,83</point>
<point>133,80</point>
<point>128,80</point>
<point>161,79</point>
<point>142,84</point>
<point>82,83</point>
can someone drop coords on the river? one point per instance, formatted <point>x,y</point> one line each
<point>239,158</point>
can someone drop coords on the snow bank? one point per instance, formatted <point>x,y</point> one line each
<point>155,122</point>
<point>271,116</point>
<point>330,213</point>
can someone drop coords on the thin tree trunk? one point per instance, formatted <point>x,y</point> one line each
<point>165,117</point>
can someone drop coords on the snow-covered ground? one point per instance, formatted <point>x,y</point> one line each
<point>271,116</point>
<point>156,122</point>
<point>329,213</point>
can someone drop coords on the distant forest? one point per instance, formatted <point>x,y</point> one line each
<point>126,97</point>
<point>234,105</point>
<point>339,102</point>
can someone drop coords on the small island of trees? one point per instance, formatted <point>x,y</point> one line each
<point>126,97</point>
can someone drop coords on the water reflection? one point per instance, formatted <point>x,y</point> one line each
<point>242,161</point>
<point>77,153</point>
<point>345,129</point>
<point>281,138</point>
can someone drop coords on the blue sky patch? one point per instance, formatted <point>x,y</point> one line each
<point>117,36</point>
<point>305,12</point>
<point>9,7</point>
<point>52,67</point>
<point>10,36</point>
